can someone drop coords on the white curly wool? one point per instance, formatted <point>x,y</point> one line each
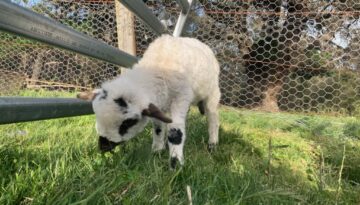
<point>173,74</point>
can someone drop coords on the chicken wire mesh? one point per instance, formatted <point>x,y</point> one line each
<point>31,65</point>
<point>275,55</point>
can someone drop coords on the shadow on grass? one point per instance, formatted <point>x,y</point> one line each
<point>330,137</point>
<point>237,170</point>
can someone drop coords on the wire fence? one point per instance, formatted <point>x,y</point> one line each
<point>275,55</point>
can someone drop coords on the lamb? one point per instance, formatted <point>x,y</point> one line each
<point>173,74</point>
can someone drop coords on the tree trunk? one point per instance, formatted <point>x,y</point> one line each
<point>269,59</point>
<point>269,102</point>
<point>24,62</point>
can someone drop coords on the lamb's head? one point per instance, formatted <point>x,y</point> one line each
<point>120,113</point>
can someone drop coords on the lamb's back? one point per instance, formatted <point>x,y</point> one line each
<point>186,57</point>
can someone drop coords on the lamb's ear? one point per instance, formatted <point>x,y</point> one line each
<point>88,95</point>
<point>153,111</point>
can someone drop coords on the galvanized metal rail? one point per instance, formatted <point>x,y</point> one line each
<point>141,11</point>
<point>22,109</point>
<point>185,9</point>
<point>21,21</point>
<point>185,5</point>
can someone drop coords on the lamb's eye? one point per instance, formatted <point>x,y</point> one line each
<point>126,125</point>
<point>104,95</point>
<point>121,102</point>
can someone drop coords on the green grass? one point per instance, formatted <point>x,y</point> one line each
<point>57,162</point>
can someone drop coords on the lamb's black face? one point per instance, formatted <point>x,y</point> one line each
<point>118,131</point>
<point>126,125</point>
<point>105,145</point>
<point>119,117</point>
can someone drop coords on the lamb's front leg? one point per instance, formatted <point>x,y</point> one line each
<point>176,141</point>
<point>159,131</point>
<point>176,132</point>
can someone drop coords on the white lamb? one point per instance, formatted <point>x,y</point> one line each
<point>173,74</point>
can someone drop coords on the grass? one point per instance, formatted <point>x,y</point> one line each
<point>57,162</point>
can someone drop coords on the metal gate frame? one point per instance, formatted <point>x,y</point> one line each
<point>24,22</point>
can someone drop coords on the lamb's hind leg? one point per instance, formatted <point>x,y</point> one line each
<point>212,114</point>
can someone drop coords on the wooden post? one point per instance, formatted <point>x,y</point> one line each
<point>125,29</point>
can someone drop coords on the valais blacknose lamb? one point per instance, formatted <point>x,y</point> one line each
<point>173,74</point>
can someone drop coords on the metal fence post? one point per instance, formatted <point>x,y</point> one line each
<point>185,9</point>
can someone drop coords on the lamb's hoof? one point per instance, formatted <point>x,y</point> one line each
<point>211,147</point>
<point>173,162</point>
<point>158,149</point>
<point>158,153</point>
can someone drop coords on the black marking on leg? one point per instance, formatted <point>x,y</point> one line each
<point>175,136</point>
<point>158,131</point>
<point>173,161</point>
<point>201,107</point>
<point>126,125</point>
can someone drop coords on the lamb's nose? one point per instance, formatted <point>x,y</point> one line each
<point>105,145</point>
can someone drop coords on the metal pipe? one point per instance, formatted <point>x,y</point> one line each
<point>184,5</point>
<point>22,109</point>
<point>141,11</point>
<point>20,21</point>
<point>182,19</point>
